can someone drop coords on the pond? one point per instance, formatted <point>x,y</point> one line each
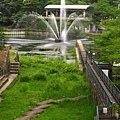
<point>38,45</point>
<point>30,45</point>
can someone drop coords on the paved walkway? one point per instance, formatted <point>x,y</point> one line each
<point>11,77</point>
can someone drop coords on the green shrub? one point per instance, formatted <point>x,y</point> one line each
<point>25,78</point>
<point>54,85</point>
<point>72,77</point>
<point>24,88</point>
<point>53,70</point>
<point>40,76</point>
<point>2,47</point>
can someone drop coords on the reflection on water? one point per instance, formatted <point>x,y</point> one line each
<point>40,45</point>
<point>22,43</point>
<point>25,43</point>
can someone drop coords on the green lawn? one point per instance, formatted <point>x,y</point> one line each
<point>42,79</point>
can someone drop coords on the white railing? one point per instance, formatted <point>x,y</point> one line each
<point>14,33</point>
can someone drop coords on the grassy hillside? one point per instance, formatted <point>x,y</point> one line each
<point>42,79</point>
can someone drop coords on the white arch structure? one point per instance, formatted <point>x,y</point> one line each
<point>68,7</point>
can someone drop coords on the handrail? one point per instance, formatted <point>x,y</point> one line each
<point>112,88</point>
<point>106,98</point>
<point>7,62</point>
<point>109,93</point>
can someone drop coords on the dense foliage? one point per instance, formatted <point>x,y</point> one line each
<point>109,41</point>
<point>105,9</point>
<point>108,46</point>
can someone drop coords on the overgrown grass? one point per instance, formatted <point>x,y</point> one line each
<point>42,79</point>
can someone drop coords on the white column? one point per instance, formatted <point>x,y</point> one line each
<point>56,13</point>
<point>84,13</point>
<point>46,13</point>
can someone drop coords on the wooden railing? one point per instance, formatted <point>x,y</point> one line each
<point>7,62</point>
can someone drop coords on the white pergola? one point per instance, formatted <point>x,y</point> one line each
<point>70,7</point>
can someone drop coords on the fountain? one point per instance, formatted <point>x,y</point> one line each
<point>60,33</point>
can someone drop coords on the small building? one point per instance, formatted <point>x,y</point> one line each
<point>82,8</point>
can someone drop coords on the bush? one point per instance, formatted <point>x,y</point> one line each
<point>53,70</point>
<point>54,85</point>
<point>25,78</point>
<point>73,77</point>
<point>40,76</point>
<point>2,47</point>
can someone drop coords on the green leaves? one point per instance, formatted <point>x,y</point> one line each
<point>1,37</point>
<point>109,41</point>
<point>105,9</point>
<point>27,1</point>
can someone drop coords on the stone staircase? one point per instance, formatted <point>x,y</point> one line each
<point>6,82</point>
<point>14,68</point>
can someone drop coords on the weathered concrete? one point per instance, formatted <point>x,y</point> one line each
<point>10,78</point>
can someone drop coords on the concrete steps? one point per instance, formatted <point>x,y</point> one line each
<point>14,68</point>
<point>103,117</point>
<point>107,118</point>
<point>6,82</point>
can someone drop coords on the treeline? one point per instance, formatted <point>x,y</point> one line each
<point>13,10</point>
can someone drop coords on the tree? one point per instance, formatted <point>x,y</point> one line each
<point>109,42</point>
<point>108,45</point>
<point>104,9</point>
<point>31,6</point>
<point>8,9</point>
